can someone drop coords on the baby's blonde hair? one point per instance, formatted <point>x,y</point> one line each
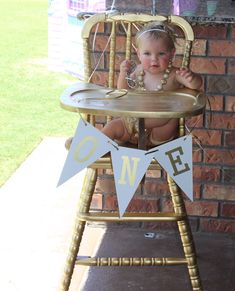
<point>157,30</point>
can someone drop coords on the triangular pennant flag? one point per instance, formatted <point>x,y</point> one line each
<point>129,167</point>
<point>176,158</point>
<point>88,145</point>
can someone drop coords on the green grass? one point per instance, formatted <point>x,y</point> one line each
<point>29,95</point>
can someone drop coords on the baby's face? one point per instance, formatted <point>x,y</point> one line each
<point>154,54</point>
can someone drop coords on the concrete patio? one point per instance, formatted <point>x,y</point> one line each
<point>36,220</point>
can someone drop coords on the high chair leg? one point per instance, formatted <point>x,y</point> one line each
<point>186,236</point>
<point>79,226</point>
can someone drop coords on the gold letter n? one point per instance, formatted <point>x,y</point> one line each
<point>126,167</point>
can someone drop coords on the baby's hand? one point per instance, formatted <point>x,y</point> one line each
<point>186,74</point>
<point>125,66</point>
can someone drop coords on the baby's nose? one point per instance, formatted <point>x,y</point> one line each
<point>154,58</point>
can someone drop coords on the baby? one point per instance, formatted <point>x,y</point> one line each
<point>155,51</point>
<point>155,72</point>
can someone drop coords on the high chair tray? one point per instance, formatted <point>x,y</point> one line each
<point>93,99</point>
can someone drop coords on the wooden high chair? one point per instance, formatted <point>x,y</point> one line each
<point>128,24</point>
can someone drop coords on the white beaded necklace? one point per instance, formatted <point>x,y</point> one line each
<point>139,83</point>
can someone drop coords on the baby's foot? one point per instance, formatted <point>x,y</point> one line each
<point>68,142</point>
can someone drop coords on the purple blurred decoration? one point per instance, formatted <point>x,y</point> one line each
<point>185,7</point>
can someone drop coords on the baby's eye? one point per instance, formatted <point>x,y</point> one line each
<point>147,53</point>
<point>162,54</point>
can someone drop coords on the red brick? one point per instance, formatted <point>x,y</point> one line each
<point>217,32</point>
<point>225,157</point>
<point>221,121</point>
<point>195,121</point>
<point>100,172</point>
<point>169,226</point>
<point>202,208</point>
<point>221,85</point>
<point>110,202</point>
<point>208,137</point>
<point>167,205</point>
<point>219,192</point>
<point>101,43</point>
<point>100,78</point>
<point>231,66</point>
<point>157,188</point>
<point>143,205</point>
<point>208,65</point>
<point>105,185</point>
<point>163,226</point>
<point>197,155</point>
<point>97,59</point>
<point>206,174</point>
<point>229,139</point>
<point>217,225</point>
<point>98,28</point>
<point>230,103</point>
<point>228,210</point>
<point>121,44</point>
<point>222,48</point>
<point>215,103</point>
<point>178,61</point>
<point>198,47</point>
<point>196,190</point>
<point>97,202</point>
<point>233,32</point>
<point>229,175</point>
<point>137,204</point>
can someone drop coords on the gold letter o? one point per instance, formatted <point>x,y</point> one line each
<point>77,150</point>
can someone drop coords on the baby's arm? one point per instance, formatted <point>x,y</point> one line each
<point>189,79</point>
<point>125,67</point>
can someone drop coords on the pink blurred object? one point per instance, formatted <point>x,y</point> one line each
<point>96,6</point>
<point>86,5</point>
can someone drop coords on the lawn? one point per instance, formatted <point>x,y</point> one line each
<point>29,96</point>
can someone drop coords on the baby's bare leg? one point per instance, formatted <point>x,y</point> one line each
<point>155,122</point>
<point>116,129</point>
<point>165,132</point>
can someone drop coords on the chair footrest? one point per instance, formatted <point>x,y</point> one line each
<point>131,217</point>
<point>128,262</point>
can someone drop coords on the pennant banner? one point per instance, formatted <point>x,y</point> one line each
<point>88,145</point>
<point>129,167</point>
<point>176,158</point>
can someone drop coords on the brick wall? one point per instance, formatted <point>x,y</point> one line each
<point>214,160</point>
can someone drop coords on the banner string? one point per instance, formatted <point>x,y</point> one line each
<point>114,145</point>
<point>83,120</point>
<point>101,56</point>
<point>150,152</point>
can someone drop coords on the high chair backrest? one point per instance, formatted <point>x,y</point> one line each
<point>119,43</point>
<point>124,26</point>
